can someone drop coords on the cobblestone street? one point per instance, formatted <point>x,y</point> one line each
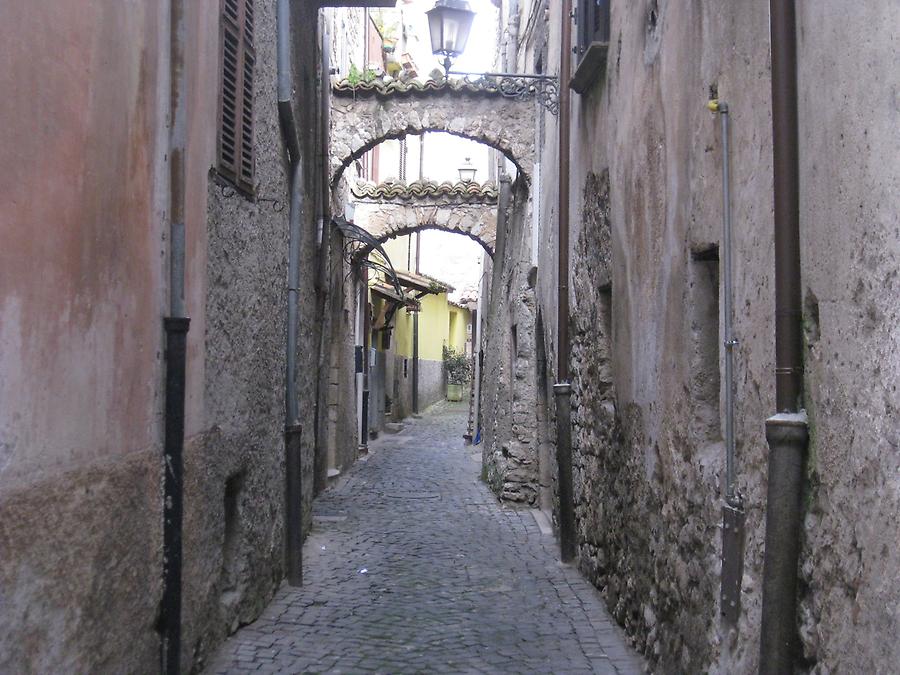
<point>413,566</point>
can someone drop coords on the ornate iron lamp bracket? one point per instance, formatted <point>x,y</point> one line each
<point>521,86</point>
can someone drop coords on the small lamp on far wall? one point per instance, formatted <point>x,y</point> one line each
<point>467,171</point>
<point>449,23</point>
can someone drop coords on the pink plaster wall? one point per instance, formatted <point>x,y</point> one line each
<point>81,261</point>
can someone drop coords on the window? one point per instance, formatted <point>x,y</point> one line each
<point>236,156</point>
<point>593,43</point>
<point>593,23</point>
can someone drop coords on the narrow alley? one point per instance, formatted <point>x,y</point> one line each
<point>449,336</point>
<point>413,566</point>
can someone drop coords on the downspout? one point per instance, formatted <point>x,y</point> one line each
<point>176,327</point>
<point>476,350</point>
<point>415,368</point>
<point>415,382</point>
<point>787,431</point>
<point>563,388</point>
<point>512,37</point>
<point>367,333</point>
<point>293,515</point>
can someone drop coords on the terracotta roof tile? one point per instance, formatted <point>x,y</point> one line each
<point>464,192</point>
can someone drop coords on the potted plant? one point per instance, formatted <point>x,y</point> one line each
<point>459,372</point>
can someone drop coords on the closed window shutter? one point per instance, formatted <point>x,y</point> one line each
<point>593,23</point>
<point>236,156</point>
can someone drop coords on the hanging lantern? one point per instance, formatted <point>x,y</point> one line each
<point>450,22</point>
<point>467,171</point>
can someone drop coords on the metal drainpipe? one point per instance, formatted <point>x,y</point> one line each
<point>293,430</point>
<point>733,516</point>
<point>787,431</point>
<point>176,327</point>
<point>415,382</point>
<point>563,388</point>
<point>476,350</point>
<point>367,332</point>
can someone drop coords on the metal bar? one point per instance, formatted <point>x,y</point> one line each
<point>787,431</point>
<point>173,492</point>
<point>521,76</point>
<point>732,512</point>
<point>728,318</point>
<point>415,382</point>
<point>788,309</point>
<point>367,331</point>
<point>788,436</point>
<point>565,107</point>
<point>293,517</point>
<point>562,388</point>
<point>177,145</point>
<point>176,327</point>
<point>296,214</point>
<point>563,393</point>
<point>293,500</point>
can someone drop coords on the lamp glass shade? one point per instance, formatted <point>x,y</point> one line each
<point>467,171</point>
<point>450,22</point>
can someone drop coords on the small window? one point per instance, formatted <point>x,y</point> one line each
<point>236,155</point>
<point>593,43</point>
<point>593,23</point>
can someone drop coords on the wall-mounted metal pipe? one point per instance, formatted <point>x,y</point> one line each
<point>366,337</point>
<point>733,515</point>
<point>415,345</point>
<point>176,327</point>
<point>293,432</point>
<point>728,301</point>
<point>562,388</point>
<point>787,431</point>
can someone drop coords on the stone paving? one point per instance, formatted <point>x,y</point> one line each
<point>413,566</point>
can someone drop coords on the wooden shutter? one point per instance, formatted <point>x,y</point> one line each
<point>236,156</point>
<point>593,23</point>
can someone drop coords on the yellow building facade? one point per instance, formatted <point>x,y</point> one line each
<point>441,323</point>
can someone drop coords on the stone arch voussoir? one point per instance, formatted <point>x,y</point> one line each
<point>386,221</point>
<point>361,119</point>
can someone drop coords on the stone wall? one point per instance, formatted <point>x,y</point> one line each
<point>82,280</point>
<point>850,239</point>
<point>646,334</point>
<point>508,393</point>
<point>234,469</point>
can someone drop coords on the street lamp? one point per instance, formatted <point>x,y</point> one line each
<point>467,171</point>
<point>449,22</point>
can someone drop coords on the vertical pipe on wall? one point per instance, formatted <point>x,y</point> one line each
<point>787,431</point>
<point>415,382</point>
<point>293,433</point>
<point>367,333</point>
<point>562,388</point>
<point>733,516</point>
<point>730,494</point>
<point>176,327</point>
<point>476,350</point>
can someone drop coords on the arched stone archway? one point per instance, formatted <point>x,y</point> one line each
<point>366,114</point>
<point>386,221</point>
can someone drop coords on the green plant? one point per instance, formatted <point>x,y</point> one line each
<point>458,365</point>
<point>355,76</point>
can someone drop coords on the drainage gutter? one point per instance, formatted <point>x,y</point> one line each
<point>176,327</point>
<point>293,430</point>
<point>787,432</point>
<point>563,389</point>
